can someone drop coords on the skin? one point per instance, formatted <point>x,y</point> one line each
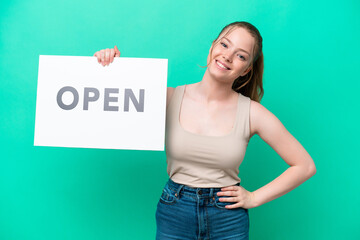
<point>212,100</point>
<point>214,103</point>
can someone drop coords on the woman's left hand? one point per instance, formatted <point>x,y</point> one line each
<point>238,194</point>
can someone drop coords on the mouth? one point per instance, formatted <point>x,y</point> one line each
<point>221,65</point>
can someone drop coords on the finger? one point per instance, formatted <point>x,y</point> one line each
<point>117,52</point>
<point>231,206</point>
<point>102,56</point>
<point>232,188</point>
<point>107,56</point>
<point>229,189</point>
<point>112,55</point>
<point>97,55</point>
<point>227,193</point>
<point>228,199</point>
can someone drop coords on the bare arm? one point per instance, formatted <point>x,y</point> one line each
<point>273,132</point>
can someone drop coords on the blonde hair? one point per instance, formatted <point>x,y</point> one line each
<point>251,84</point>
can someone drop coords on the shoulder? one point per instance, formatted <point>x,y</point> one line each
<point>243,97</point>
<point>256,107</point>
<point>169,93</point>
<point>262,121</point>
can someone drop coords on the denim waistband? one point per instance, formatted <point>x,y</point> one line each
<point>206,192</point>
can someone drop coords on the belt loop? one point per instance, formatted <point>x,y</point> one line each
<point>211,192</point>
<point>177,194</point>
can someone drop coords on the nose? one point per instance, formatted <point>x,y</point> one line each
<point>227,57</point>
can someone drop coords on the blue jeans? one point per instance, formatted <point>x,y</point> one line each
<point>196,213</point>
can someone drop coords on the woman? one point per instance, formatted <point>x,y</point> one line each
<point>208,127</point>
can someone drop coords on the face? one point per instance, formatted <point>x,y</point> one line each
<point>232,55</point>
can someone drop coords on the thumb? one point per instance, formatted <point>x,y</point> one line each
<point>117,52</point>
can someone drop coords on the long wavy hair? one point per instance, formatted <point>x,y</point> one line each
<point>251,84</point>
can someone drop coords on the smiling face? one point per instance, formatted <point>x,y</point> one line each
<point>232,55</point>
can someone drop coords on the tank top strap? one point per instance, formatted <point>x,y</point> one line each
<point>243,118</point>
<point>172,111</point>
<point>179,93</point>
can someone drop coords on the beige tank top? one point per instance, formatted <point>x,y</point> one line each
<point>205,161</point>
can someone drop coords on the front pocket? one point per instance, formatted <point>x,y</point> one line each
<point>221,205</point>
<point>168,196</point>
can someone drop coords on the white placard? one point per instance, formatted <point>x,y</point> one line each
<point>82,104</point>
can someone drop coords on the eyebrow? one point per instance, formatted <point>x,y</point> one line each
<point>238,48</point>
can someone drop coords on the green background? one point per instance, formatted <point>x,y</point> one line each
<point>311,83</point>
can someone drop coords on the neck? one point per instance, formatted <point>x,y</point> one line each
<point>213,89</point>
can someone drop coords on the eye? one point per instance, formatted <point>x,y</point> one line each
<point>223,44</point>
<point>241,56</point>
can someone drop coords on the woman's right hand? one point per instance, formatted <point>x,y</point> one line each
<point>106,56</point>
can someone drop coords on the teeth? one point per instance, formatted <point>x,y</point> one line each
<point>220,65</point>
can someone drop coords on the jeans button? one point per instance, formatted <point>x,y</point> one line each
<point>200,192</point>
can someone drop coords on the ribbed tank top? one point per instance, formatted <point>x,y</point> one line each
<point>205,161</point>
